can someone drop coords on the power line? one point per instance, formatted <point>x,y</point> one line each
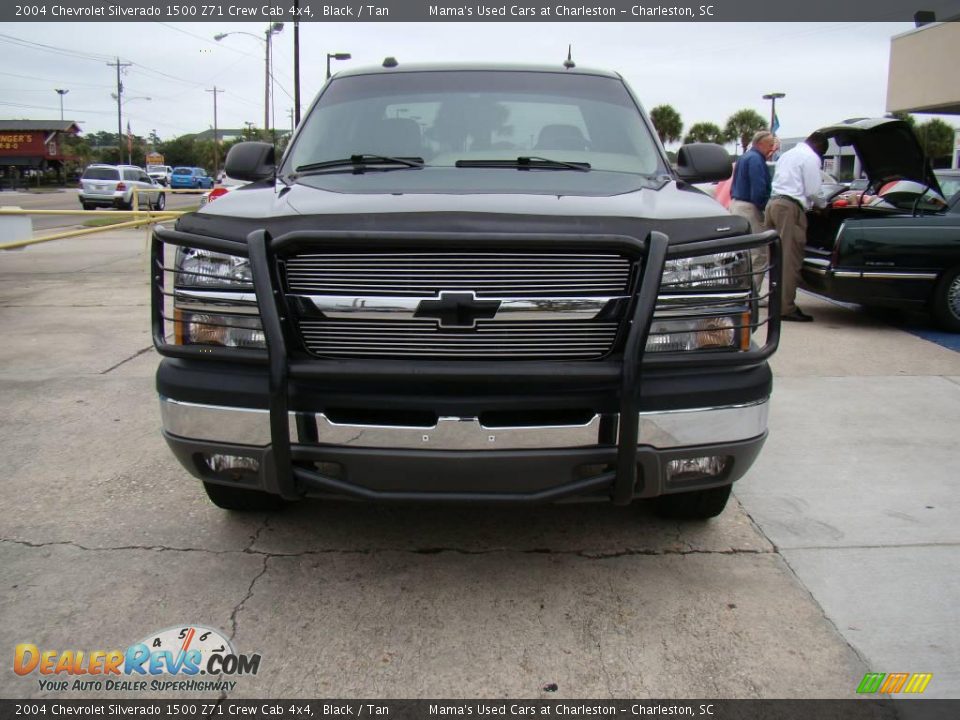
<point>49,48</point>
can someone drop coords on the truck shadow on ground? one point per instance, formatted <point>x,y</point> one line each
<point>595,529</point>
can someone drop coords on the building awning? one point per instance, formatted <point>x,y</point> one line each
<point>923,70</point>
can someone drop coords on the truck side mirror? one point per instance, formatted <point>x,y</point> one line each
<point>250,161</point>
<point>703,162</point>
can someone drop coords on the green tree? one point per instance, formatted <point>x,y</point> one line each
<point>705,132</point>
<point>906,117</point>
<point>668,123</point>
<point>936,139</point>
<point>180,151</point>
<point>743,124</point>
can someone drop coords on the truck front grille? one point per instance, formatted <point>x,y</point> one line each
<point>486,273</point>
<point>490,340</point>
<point>380,314</point>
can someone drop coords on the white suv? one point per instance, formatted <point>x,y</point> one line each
<point>112,186</point>
<point>160,173</point>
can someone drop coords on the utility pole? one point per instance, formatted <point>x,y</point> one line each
<point>266,85</point>
<point>216,133</point>
<point>296,63</point>
<point>119,65</point>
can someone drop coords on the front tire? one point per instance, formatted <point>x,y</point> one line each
<point>241,499</point>
<point>161,202</point>
<point>88,206</point>
<point>695,505</point>
<point>946,301</point>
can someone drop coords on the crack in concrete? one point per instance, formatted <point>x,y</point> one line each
<point>132,357</point>
<point>249,550</point>
<point>239,606</point>
<point>860,656</point>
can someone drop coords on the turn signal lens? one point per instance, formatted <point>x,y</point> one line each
<point>714,333</point>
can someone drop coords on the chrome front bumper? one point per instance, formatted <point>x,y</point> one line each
<point>661,430</point>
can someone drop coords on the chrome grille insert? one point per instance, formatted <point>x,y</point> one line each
<point>486,273</point>
<point>423,339</point>
<point>561,306</point>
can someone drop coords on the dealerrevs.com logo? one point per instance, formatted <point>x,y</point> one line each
<point>176,659</point>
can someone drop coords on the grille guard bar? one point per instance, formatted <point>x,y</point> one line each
<point>263,251</point>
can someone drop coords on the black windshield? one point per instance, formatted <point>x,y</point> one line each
<point>450,116</point>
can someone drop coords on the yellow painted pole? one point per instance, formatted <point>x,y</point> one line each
<point>160,217</point>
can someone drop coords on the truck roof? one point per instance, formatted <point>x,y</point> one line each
<point>475,67</point>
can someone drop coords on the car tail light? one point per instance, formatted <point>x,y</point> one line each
<point>121,187</point>
<point>215,193</point>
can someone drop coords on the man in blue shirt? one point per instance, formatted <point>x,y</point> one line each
<point>751,180</point>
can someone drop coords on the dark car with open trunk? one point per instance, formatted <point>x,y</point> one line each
<point>896,243</point>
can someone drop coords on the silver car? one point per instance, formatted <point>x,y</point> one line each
<point>112,186</point>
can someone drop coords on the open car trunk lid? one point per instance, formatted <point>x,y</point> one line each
<point>888,150</point>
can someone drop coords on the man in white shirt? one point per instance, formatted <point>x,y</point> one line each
<point>795,188</point>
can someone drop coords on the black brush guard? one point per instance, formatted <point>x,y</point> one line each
<point>289,480</point>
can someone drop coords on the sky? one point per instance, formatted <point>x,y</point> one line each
<point>829,71</point>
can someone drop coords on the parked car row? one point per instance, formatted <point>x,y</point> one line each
<point>113,186</point>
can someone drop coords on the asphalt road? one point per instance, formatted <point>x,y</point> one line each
<point>840,555</point>
<point>66,199</point>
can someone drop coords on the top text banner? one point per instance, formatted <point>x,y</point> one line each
<point>490,11</point>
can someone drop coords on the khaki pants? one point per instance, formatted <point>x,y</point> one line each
<point>790,221</point>
<point>750,212</point>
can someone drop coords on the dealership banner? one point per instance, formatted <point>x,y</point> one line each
<point>485,11</point>
<point>497,708</point>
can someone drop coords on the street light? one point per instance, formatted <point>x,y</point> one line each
<point>119,141</point>
<point>61,92</point>
<point>335,56</point>
<point>267,40</point>
<point>773,97</point>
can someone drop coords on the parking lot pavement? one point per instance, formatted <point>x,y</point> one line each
<point>104,539</point>
<point>857,486</point>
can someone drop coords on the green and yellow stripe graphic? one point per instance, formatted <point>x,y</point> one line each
<point>888,684</point>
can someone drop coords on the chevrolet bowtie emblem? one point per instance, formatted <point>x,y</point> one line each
<point>457,309</point>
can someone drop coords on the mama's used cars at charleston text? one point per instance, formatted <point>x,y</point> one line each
<point>467,283</point>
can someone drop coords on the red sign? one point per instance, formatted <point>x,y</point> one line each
<point>21,144</point>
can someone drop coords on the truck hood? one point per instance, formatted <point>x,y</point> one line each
<point>680,210</point>
<point>888,150</point>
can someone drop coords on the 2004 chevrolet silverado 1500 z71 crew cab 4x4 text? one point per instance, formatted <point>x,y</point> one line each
<point>467,283</point>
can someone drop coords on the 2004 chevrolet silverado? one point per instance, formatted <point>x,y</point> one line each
<point>467,283</point>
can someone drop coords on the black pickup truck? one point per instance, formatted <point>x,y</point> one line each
<point>467,283</point>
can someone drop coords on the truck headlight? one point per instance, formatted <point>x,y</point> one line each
<point>726,270</point>
<point>203,268</point>
<point>210,300</point>
<point>707,302</point>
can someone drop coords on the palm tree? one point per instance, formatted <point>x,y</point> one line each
<point>705,132</point>
<point>667,122</point>
<point>743,124</point>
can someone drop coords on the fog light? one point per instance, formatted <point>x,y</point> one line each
<point>696,468</point>
<point>229,464</point>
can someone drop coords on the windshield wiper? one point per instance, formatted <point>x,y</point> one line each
<point>525,162</point>
<point>362,162</point>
